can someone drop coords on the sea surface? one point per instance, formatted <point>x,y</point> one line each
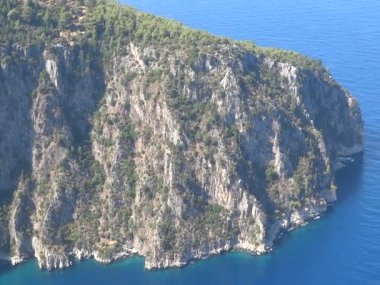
<point>341,248</point>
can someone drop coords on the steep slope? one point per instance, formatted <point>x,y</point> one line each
<point>123,133</point>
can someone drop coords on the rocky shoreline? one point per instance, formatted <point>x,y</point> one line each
<point>293,221</point>
<point>162,141</point>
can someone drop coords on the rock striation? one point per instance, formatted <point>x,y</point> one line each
<point>174,145</point>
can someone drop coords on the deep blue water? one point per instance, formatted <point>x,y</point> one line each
<point>344,246</point>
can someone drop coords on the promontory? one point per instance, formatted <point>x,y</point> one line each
<point>123,133</point>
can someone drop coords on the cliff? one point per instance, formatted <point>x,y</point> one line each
<point>122,133</point>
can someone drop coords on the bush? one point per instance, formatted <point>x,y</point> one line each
<point>128,77</point>
<point>65,19</point>
<point>271,174</point>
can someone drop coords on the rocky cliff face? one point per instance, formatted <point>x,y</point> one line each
<point>170,153</point>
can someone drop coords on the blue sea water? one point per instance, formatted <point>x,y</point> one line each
<point>343,247</point>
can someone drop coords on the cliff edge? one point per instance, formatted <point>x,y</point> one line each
<point>123,133</point>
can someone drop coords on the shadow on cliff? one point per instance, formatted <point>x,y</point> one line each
<point>84,87</point>
<point>17,133</point>
<point>349,178</point>
<point>348,181</point>
<point>17,86</point>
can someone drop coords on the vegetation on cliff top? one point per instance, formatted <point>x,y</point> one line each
<point>110,26</point>
<point>137,132</point>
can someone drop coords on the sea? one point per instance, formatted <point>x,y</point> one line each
<point>341,248</point>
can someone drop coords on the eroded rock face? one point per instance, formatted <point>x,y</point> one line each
<point>151,154</point>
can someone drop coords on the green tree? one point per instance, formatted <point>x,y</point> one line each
<point>65,18</point>
<point>90,3</point>
<point>28,14</point>
<point>47,19</point>
<point>13,14</point>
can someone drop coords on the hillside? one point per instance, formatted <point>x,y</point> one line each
<point>123,133</point>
